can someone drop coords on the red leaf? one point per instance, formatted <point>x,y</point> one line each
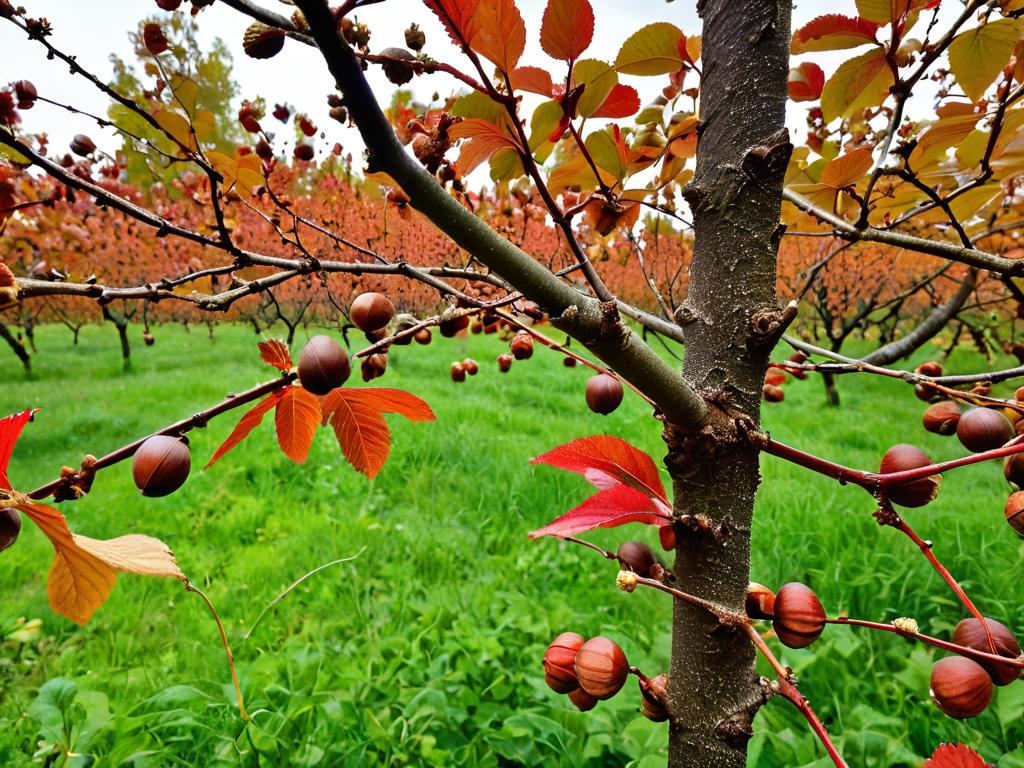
<point>247,424</point>
<point>959,756</point>
<point>296,418</point>
<point>357,418</point>
<point>457,17</point>
<point>567,29</point>
<point>10,431</point>
<point>833,32</point>
<point>532,79</point>
<point>275,353</point>
<point>607,461</point>
<point>623,101</point>
<point>609,508</point>
<point>806,82</point>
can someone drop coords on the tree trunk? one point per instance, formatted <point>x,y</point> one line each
<point>831,390</point>
<point>121,324</point>
<point>18,347</point>
<point>730,322</point>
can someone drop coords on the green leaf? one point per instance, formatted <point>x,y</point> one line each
<point>651,50</point>
<point>977,56</point>
<point>597,79</point>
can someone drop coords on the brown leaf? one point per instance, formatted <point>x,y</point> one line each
<point>84,570</point>
<point>296,418</point>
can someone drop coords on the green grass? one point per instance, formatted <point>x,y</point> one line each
<point>425,650</point>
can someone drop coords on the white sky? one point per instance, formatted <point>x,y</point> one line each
<point>93,29</point>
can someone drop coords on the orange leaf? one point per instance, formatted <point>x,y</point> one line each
<point>847,169</point>
<point>567,29</point>
<point>832,33</point>
<point>247,424</point>
<point>275,353</point>
<point>532,79</point>
<point>84,570</point>
<point>485,138</point>
<point>296,418</point>
<point>500,33</point>
<point>357,418</point>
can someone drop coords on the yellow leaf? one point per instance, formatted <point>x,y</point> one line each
<point>176,126</point>
<point>977,56</point>
<point>863,81</point>
<point>204,124</point>
<point>186,91</point>
<point>84,570</point>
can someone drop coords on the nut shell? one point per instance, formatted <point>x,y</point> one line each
<point>373,367</point>
<point>654,698</point>
<point>942,417</point>
<point>470,366</point>
<point>915,493</point>
<point>10,527</point>
<point>773,393</point>
<point>970,634</point>
<point>983,429</point>
<point>960,687</point>
<point>584,701</point>
<point>504,363</point>
<point>799,618</point>
<point>423,336</point>
<point>760,601</point>
<point>930,368</point>
<point>604,393</point>
<point>262,41</point>
<point>1013,469</point>
<point>161,465</point>
<point>559,658</point>
<point>636,557</point>
<point>458,371</point>
<point>521,346</point>
<point>1015,512</point>
<point>323,365</point>
<point>601,667</point>
<point>371,311</point>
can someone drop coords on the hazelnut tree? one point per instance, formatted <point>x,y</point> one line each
<point>943,186</point>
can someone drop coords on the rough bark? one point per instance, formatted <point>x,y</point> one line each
<point>730,321</point>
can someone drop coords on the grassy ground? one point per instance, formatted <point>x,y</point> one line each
<point>425,650</point>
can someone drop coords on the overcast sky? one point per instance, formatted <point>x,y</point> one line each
<point>93,29</point>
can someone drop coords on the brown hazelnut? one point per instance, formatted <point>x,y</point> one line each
<point>603,393</point>
<point>960,687</point>
<point>323,365</point>
<point>601,667</point>
<point>941,417</point>
<point>161,465</point>
<point>799,618</point>
<point>982,429</point>
<point>915,493</point>
<point>10,527</point>
<point>559,668</point>
<point>970,634</point>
